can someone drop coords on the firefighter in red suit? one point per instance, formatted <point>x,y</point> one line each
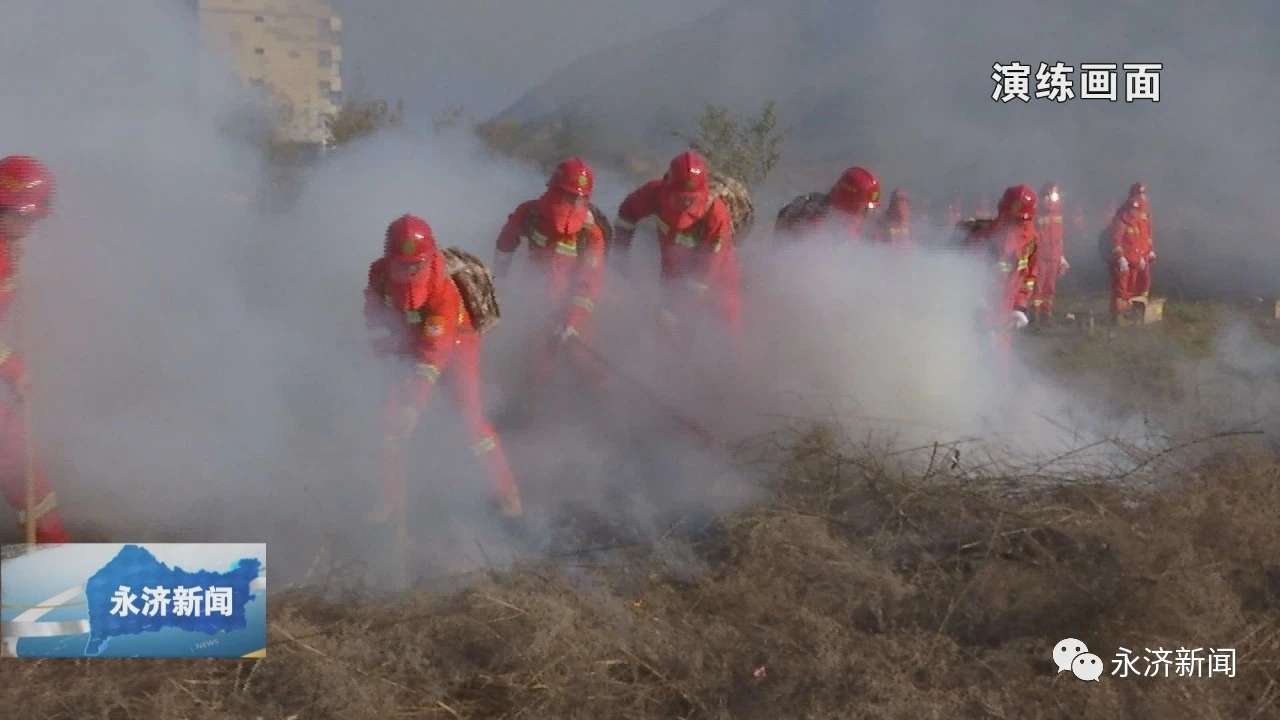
<point>1011,242</point>
<point>567,246</point>
<point>26,193</point>
<point>1133,252</point>
<point>1049,250</point>
<point>699,266</point>
<point>418,316</point>
<point>845,209</point>
<point>894,226</point>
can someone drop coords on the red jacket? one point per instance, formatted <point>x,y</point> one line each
<point>1012,244</point>
<point>1130,232</point>
<point>1050,248</point>
<point>701,258</point>
<point>574,264</point>
<point>427,319</point>
<point>11,365</point>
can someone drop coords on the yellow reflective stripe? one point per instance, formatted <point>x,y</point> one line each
<point>567,248</point>
<point>685,240</point>
<point>428,371</point>
<point>715,247</point>
<point>1004,266</point>
<point>538,239</point>
<point>486,445</point>
<point>1131,229</point>
<point>1023,263</point>
<point>5,354</point>
<point>583,302</point>
<point>434,327</point>
<point>662,226</point>
<point>44,507</point>
<point>386,300</point>
<point>1037,302</point>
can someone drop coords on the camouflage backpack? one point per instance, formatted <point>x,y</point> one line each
<point>475,284</point>
<point>737,199</point>
<point>801,210</point>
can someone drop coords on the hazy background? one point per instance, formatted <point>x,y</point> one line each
<point>202,370</point>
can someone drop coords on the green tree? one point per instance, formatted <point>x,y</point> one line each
<point>746,148</point>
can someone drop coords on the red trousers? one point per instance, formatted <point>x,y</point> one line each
<point>462,376</point>
<point>1046,287</point>
<point>13,477</point>
<point>1128,286</point>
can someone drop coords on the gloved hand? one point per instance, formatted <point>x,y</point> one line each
<point>1020,319</point>
<point>1123,264</point>
<point>1151,256</point>
<point>1142,263</point>
<point>1063,266</point>
<point>565,332</point>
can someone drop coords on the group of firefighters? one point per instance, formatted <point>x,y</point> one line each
<point>420,316</point>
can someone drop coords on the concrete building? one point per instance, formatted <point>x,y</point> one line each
<point>291,49</point>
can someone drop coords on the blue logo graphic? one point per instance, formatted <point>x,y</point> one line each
<point>171,600</point>
<point>135,593</point>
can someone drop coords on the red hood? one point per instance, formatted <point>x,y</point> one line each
<point>562,216</point>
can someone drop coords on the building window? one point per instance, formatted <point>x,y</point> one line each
<point>324,87</point>
<point>259,18</point>
<point>326,58</point>
<point>259,51</point>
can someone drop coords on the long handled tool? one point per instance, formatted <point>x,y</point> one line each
<point>650,394</point>
<point>28,452</point>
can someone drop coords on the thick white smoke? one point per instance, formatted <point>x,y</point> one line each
<point>202,371</point>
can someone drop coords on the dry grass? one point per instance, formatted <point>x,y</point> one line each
<point>854,590</point>
<point>851,593</point>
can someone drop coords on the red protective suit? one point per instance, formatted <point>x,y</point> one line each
<point>411,298</point>
<point>567,245</point>
<point>699,265</point>
<point>894,226</point>
<point>1133,252</point>
<point>26,193</point>
<point>1011,243</point>
<point>1052,259</point>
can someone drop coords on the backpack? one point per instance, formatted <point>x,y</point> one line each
<point>475,284</point>
<point>802,209</point>
<point>737,200</point>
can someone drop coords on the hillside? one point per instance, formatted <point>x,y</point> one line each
<point>905,88</point>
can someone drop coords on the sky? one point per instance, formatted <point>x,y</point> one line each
<point>485,54</point>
